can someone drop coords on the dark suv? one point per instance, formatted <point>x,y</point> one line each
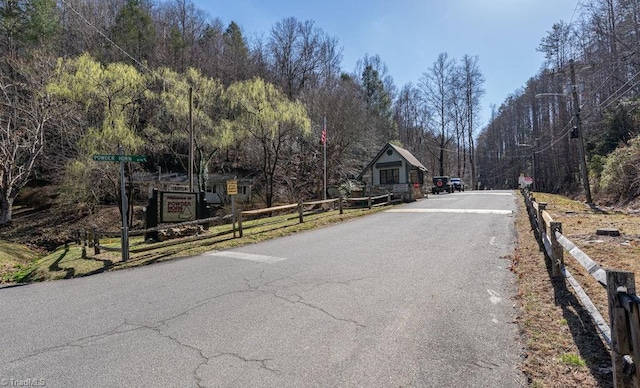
<point>441,185</point>
<point>457,184</point>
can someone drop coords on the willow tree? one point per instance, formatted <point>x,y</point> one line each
<point>265,114</point>
<point>110,96</point>
<point>208,117</point>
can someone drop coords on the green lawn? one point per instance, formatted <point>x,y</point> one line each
<point>75,260</point>
<point>14,259</point>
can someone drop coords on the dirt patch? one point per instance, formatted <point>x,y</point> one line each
<point>48,227</point>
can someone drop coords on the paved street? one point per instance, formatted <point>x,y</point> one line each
<point>419,295</point>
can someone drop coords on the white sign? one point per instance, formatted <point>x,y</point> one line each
<point>178,207</point>
<point>400,188</point>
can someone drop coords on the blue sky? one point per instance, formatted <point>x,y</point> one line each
<point>408,35</point>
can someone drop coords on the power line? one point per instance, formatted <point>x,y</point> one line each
<point>575,10</point>
<point>142,65</point>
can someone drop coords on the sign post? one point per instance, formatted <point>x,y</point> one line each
<point>120,157</point>
<point>232,190</point>
<point>124,239</point>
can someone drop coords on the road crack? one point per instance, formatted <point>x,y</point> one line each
<point>262,362</point>
<point>300,300</point>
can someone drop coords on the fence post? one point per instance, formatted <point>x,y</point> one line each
<point>370,200</point>
<point>542,226</point>
<point>83,237</point>
<point>96,241</point>
<point>340,205</point>
<point>620,338</point>
<point>557,257</point>
<point>388,198</point>
<point>300,211</point>
<point>239,225</point>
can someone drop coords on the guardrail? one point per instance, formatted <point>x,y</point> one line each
<point>623,334</point>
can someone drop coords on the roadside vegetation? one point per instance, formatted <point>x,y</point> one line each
<point>19,264</point>
<point>562,346</point>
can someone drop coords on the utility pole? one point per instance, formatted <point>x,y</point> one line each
<point>190,170</point>
<point>576,111</point>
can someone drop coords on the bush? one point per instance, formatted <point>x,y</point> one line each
<point>620,180</point>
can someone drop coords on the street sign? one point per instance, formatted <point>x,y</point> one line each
<point>120,158</point>
<point>232,187</point>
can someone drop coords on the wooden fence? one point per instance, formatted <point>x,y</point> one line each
<point>94,235</point>
<point>623,333</point>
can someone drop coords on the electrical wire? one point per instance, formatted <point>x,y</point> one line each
<point>142,65</point>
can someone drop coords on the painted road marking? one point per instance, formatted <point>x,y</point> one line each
<point>481,193</point>
<point>247,256</point>
<point>494,297</point>
<point>458,211</point>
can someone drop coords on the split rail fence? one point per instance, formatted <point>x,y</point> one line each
<point>92,238</point>
<point>622,334</point>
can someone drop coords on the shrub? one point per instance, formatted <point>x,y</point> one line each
<point>620,179</point>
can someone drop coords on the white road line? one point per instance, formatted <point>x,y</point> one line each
<point>458,211</point>
<point>247,256</point>
<point>483,193</point>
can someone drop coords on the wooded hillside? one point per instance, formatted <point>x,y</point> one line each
<point>592,68</point>
<point>80,77</point>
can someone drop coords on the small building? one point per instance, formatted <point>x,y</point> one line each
<point>217,188</point>
<point>216,192</point>
<point>395,170</point>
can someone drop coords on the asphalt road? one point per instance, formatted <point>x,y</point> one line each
<point>417,296</point>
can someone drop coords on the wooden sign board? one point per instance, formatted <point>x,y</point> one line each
<point>232,187</point>
<point>178,207</point>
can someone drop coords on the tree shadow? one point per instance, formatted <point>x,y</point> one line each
<point>584,331</point>
<point>55,266</point>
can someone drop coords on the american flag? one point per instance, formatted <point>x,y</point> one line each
<point>323,137</point>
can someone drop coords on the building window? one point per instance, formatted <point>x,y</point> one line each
<point>389,177</point>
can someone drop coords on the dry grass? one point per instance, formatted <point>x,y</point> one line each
<point>563,347</point>
<point>68,261</point>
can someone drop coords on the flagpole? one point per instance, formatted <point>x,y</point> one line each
<point>324,129</point>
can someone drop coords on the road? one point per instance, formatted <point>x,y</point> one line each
<point>419,295</point>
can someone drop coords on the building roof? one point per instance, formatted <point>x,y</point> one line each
<point>405,154</point>
<point>408,156</point>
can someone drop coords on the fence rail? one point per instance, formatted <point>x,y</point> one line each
<point>94,235</point>
<point>623,334</point>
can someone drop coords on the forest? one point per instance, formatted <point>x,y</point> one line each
<point>580,112</point>
<point>82,77</point>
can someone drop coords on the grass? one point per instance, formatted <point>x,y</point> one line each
<point>75,260</point>
<point>15,259</point>
<point>562,346</point>
<point>573,360</point>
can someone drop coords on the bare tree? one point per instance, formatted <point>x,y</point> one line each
<point>411,116</point>
<point>472,82</point>
<point>300,55</point>
<point>436,86</point>
<point>25,111</point>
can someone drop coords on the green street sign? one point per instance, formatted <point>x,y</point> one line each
<point>120,158</point>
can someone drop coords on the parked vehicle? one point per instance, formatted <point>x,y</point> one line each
<point>441,184</point>
<point>457,184</point>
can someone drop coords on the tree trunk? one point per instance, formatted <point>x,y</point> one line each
<point>6,205</point>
